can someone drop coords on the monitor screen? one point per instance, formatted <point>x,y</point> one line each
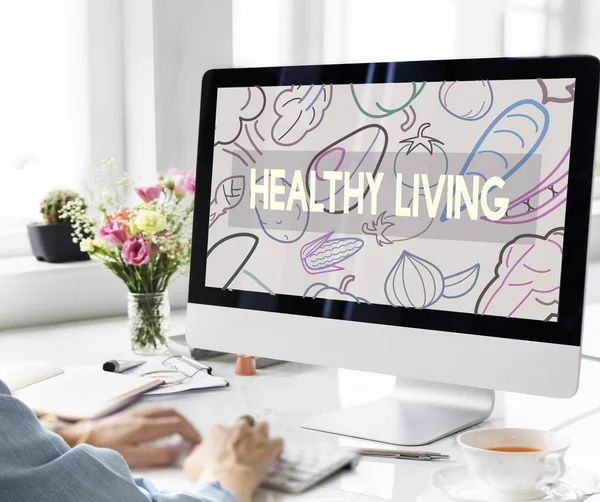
<point>447,196</point>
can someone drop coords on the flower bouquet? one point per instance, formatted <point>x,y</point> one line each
<point>145,244</point>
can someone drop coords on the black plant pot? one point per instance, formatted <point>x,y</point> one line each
<point>53,243</point>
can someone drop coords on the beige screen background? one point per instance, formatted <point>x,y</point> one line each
<point>519,130</point>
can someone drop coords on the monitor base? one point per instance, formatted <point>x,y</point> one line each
<point>415,414</point>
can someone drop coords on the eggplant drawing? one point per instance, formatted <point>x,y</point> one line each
<point>544,198</point>
<point>342,156</point>
<point>227,258</point>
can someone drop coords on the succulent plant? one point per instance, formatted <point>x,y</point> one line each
<point>54,202</point>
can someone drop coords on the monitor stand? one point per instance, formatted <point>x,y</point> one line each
<point>416,413</point>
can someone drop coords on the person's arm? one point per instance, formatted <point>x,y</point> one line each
<point>37,465</point>
<point>128,433</point>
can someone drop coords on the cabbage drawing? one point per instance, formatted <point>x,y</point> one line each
<point>414,282</point>
<point>526,282</point>
<point>326,292</point>
<point>300,109</point>
<point>325,254</point>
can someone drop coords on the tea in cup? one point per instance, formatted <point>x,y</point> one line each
<point>516,464</point>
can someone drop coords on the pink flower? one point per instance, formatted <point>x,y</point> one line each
<point>185,182</point>
<point>136,251</point>
<point>189,182</point>
<point>114,233</point>
<point>148,194</point>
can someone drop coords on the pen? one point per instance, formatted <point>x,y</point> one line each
<point>117,366</point>
<point>404,454</point>
<point>197,365</point>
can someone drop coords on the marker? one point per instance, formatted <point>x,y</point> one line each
<point>116,366</point>
<point>196,364</point>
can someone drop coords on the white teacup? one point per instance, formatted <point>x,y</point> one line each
<point>515,475</point>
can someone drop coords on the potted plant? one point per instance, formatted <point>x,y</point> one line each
<point>52,240</point>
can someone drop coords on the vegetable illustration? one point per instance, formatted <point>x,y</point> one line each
<point>383,222</point>
<point>227,258</point>
<point>378,228</point>
<point>520,128</point>
<point>544,198</point>
<point>408,165</point>
<point>414,282</point>
<point>560,94</point>
<point>300,109</point>
<point>243,107</point>
<point>526,279</point>
<point>228,194</point>
<point>469,100</point>
<point>403,96</point>
<point>285,227</point>
<point>322,290</point>
<point>360,151</point>
<point>325,254</point>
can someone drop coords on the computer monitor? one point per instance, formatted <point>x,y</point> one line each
<point>423,219</point>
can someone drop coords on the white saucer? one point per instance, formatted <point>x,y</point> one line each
<point>457,483</point>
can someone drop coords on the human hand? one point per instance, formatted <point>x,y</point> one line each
<point>124,432</point>
<point>238,457</point>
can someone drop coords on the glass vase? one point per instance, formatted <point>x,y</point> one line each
<point>149,322</point>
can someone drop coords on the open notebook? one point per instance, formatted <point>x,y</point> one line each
<point>77,393</point>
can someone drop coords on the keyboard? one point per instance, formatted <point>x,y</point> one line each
<point>302,466</point>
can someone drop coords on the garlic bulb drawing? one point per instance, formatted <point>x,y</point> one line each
<point>414,282</point>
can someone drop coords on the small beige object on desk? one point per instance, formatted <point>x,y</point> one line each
<point>244,366</point>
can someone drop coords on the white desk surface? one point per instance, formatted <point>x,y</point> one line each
<point>286,393</point>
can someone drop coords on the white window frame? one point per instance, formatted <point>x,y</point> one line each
<point>106,106</point>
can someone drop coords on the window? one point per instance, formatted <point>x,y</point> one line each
<point>60,99</point>
<point>295,32</point>
<point>43,97</point>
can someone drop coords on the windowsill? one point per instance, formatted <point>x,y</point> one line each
<point>29,265</point>
<point>37,293</point>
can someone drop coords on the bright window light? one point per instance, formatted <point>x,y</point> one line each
<point>44,115</point>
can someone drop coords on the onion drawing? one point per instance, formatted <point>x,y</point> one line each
<point>414,282</point>
<point>469,100</point>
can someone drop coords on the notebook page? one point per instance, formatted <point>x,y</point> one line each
<point>23,374</point>
<point>83,392</point>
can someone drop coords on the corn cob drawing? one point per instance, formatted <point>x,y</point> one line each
<point>324,254</point>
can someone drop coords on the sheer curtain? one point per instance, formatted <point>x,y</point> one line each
<point>283,32</point>
<point>272,32</point>
<point>43,103</point>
